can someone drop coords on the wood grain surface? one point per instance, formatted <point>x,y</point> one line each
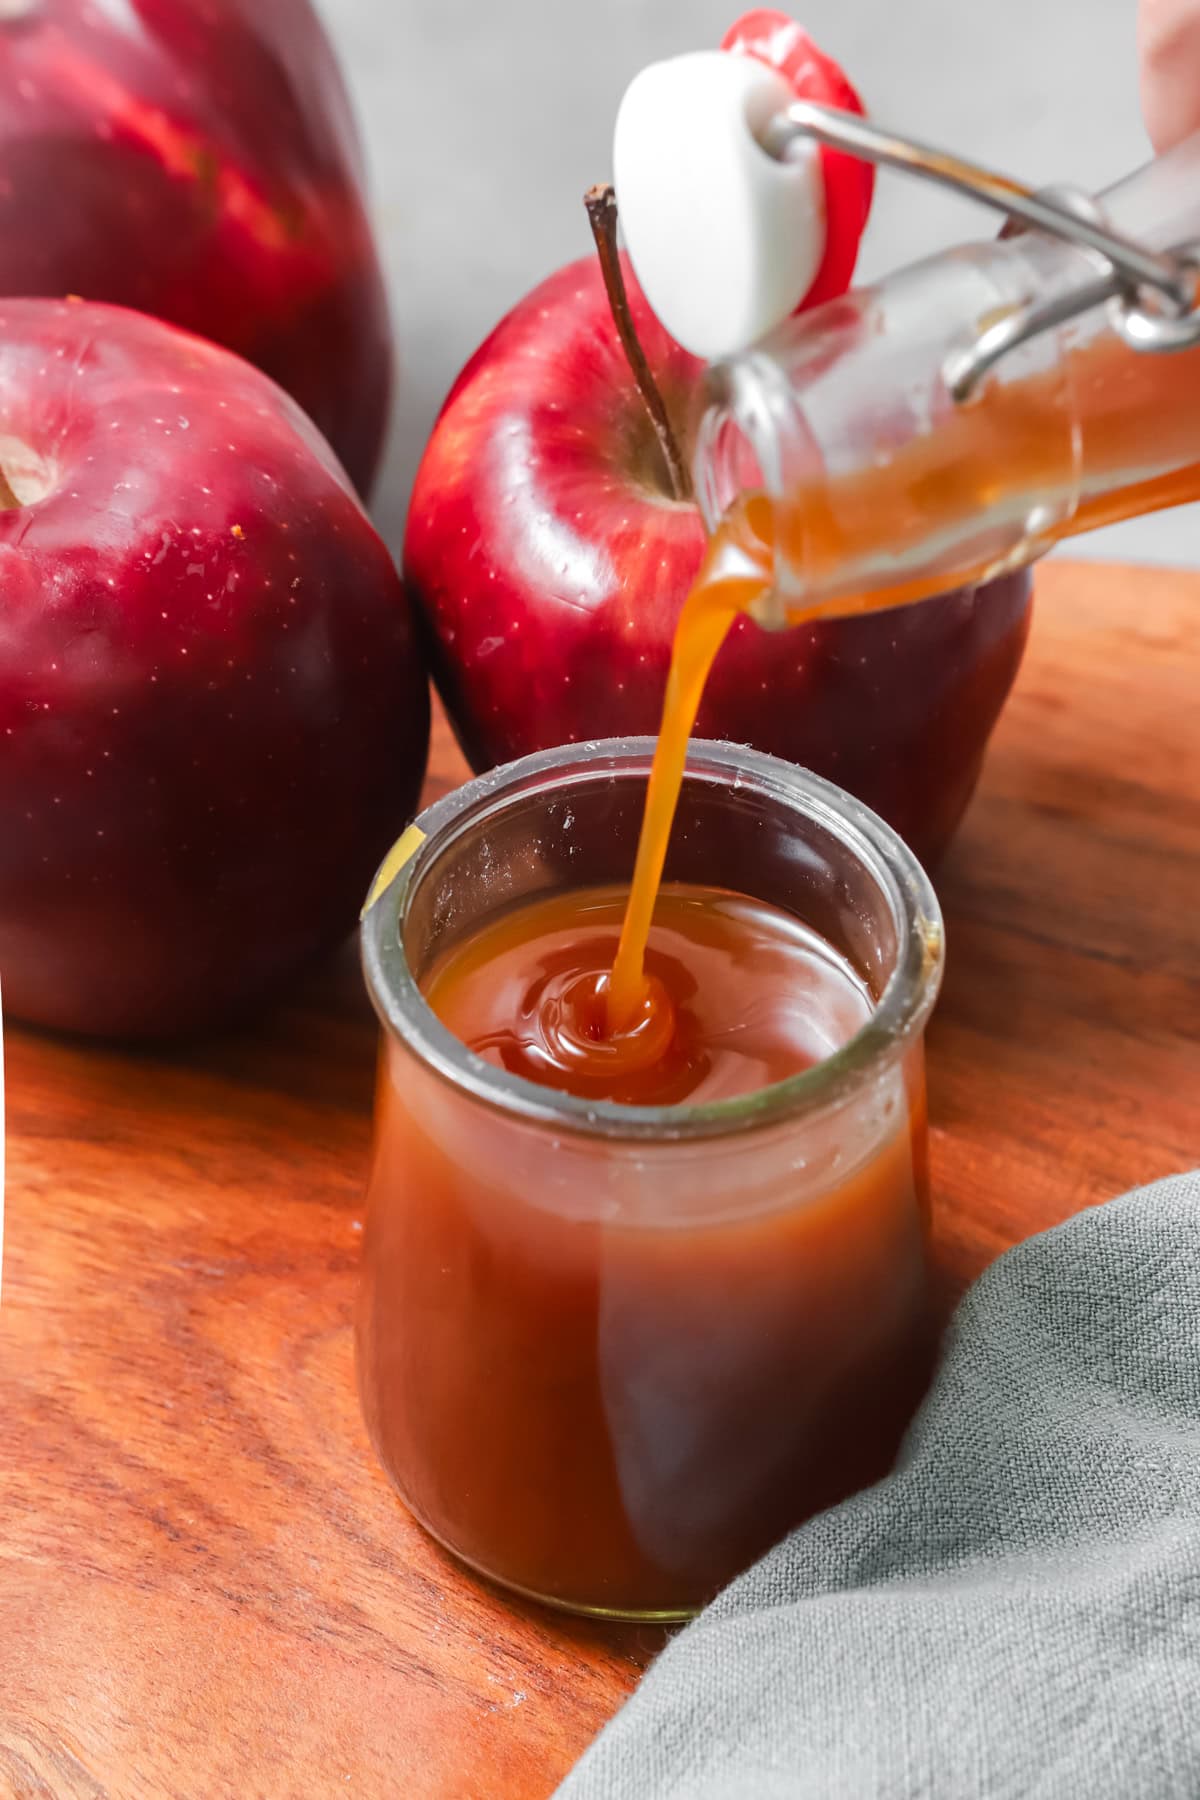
<point>206,1586</point>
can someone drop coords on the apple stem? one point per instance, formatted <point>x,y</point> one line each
<point>601,203</point>
<point>8,500</point>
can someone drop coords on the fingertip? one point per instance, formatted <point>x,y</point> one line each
<point>1168,36</point>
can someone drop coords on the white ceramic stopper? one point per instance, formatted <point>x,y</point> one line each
<point>724,239</point>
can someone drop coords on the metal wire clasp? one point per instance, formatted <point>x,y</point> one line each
<point>1151,295</point>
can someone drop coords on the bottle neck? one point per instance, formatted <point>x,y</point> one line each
<point>886,488</point>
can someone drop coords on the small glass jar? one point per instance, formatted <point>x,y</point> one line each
<point>609,1354</point>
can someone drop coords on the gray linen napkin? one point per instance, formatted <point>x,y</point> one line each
<point>1015,1611</point>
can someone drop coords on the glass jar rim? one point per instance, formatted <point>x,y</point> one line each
<point>898,1016</point>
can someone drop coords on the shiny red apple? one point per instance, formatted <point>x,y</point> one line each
<point>196,159</point>
<point>213,719</point>
<point>550,564</point>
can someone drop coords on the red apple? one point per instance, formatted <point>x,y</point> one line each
<point>212,717</point>
<point>550,564</point>
<point>196,159</point>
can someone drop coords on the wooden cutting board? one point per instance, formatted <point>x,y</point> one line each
<point>206,1586</point>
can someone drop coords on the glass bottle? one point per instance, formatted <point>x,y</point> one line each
<point>885,486</point>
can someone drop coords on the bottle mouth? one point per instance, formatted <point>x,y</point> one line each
<point>568,817</point>
<point>736,436</point>
<point>752,437</point>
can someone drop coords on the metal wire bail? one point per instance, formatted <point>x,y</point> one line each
<point>1151,294</point>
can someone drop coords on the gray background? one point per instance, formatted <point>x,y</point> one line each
<point>485,120</point>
